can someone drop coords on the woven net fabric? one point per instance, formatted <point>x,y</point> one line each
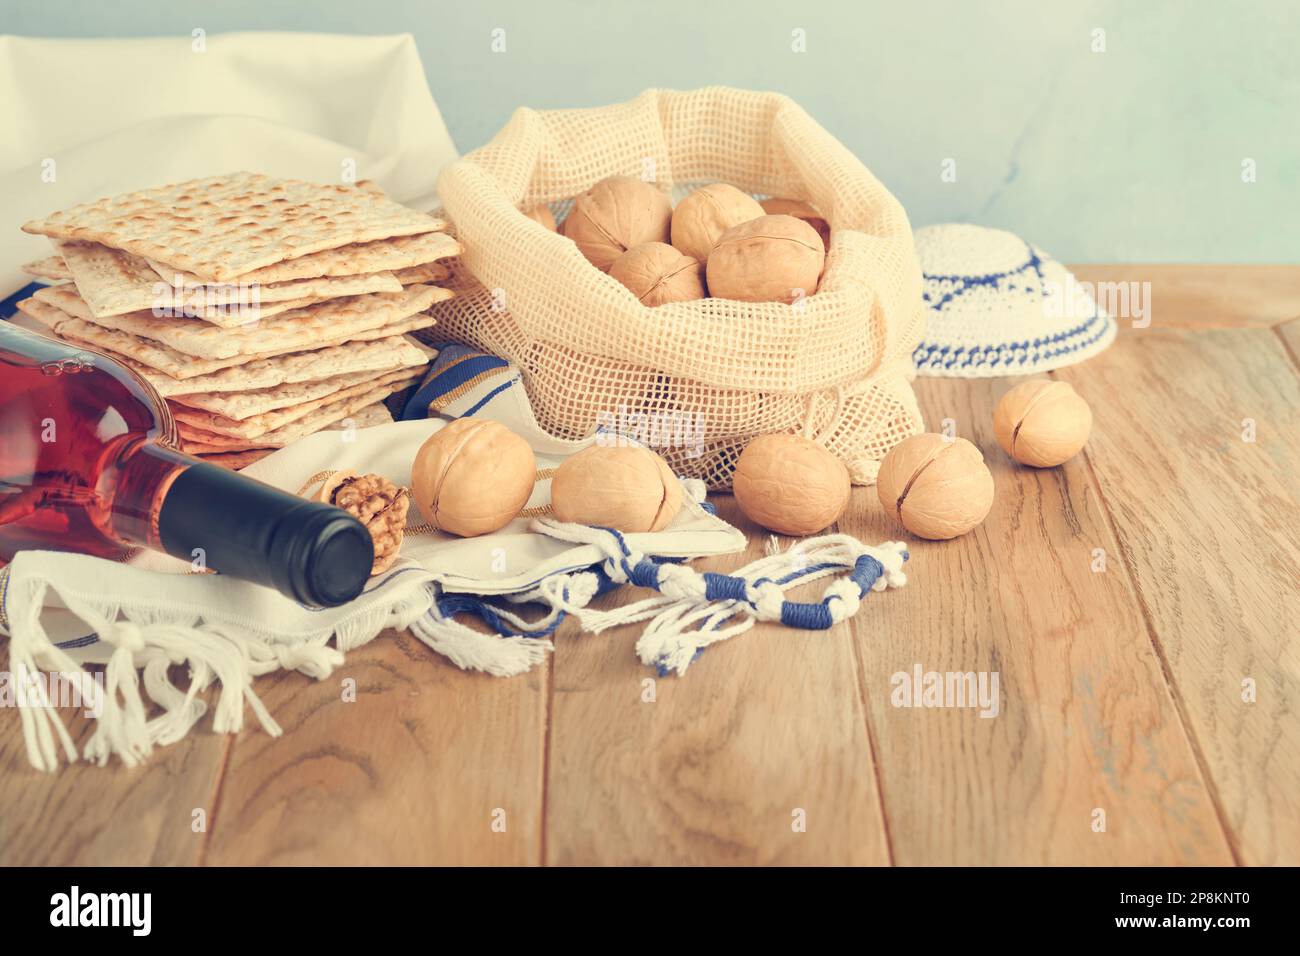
<point>836,365</point>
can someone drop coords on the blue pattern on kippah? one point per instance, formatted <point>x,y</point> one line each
<point>966,283</point>
<point>1012,354</point>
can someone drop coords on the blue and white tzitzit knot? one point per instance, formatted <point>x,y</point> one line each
<point>695,609</point>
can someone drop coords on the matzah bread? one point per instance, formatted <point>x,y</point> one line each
<point>113,282</point>
<point>295,368</point>
<point>72,301</point>
<point>429,272</point>
<point>401,252</point>
<point>222,227</point>
<point>255,426</point>
<point>52,268</point>
<point>197,441</point>
<point>368,417</point>
<point>168,361</point>
<point>288,332</point>
<point>238,406</point>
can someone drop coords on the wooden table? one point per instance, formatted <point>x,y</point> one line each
<point>1128,601</point>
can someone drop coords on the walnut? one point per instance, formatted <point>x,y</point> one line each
<point>1042,423</point>
<point>800,210</point>
<point>768,259</point>
<point>706,214</point>
<point>790,484</point>
<point>377,503</point>
<point>656,273</point>
<point>615,215</point>
<point>473,476</point>
<point>936,487</point>
<point>624,487</point>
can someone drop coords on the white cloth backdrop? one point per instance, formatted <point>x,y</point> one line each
<point>91,118</point>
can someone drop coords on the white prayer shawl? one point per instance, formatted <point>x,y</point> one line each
<point>62,610</point>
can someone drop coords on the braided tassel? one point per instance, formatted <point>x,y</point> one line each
<point>694,609</point>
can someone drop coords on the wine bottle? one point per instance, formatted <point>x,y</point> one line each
<point>88,463</point>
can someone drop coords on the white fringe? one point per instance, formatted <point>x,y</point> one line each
<point>473,650</point>
<point>151,641</point>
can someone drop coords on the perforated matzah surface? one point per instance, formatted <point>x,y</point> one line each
<point>224,226</point>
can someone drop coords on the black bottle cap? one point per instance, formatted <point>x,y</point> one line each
<point>317,554</point>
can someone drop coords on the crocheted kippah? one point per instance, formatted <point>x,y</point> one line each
<point>999,306</point>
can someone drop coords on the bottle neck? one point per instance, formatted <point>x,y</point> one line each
<point>216,518</point>
<point>143,479</point>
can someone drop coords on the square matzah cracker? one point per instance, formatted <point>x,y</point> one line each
<point>254,426</point>
<point>429,272</point>
<point>368,417</point>
<point>237,406</point>
<point>70,300</point>
<point>401,252</point>
<point>51,268</point>
<point>296,368</point>
<point>288,332</point>
<point>198,441</point>
<point>224,226</point>
<point>167,361</point>
<point>113,282</point>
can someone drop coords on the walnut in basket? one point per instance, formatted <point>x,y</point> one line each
<point>657,273</point>
<point>800,210</point>
<point>616,214</point>
<point>377,503</point>
<point>703,216</point>
<point>768,259</point>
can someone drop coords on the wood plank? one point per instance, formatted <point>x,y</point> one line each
<point>712,772</point>
<point>1290,334</point>
<point>86,815</point>
<point>411,773</point>
<point>1209,296</point>
<point>1208,523</point>
<point>1085,720</point>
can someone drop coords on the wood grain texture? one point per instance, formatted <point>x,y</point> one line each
<point>713,770</point>
<point>411,772</point>
<point>1085,721</point>
<point>1289,332</point>
<point>1120,690</point>
<point>1207,521</point>
<point>86,815</point>
<point>1208,297</point>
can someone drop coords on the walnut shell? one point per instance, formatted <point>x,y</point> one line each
<point>800,210</point>
<point>624,487</point>
<point>937,487</point>
<point>657,273</point>
<point>1042,423</point>
<point>542,214</point>
<point>790,484</point>
<point>472,477</point>
<point>615,215</point>
<point>375,501</point>
<point>703,216</point>
<point>768,259</point>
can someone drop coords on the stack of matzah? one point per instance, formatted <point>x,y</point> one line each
<point>262,309</point>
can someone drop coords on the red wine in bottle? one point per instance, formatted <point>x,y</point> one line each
<point>87,464</point>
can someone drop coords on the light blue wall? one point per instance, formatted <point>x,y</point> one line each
<point>1130,155</point>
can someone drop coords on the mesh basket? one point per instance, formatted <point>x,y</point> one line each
<point>702,377</point>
